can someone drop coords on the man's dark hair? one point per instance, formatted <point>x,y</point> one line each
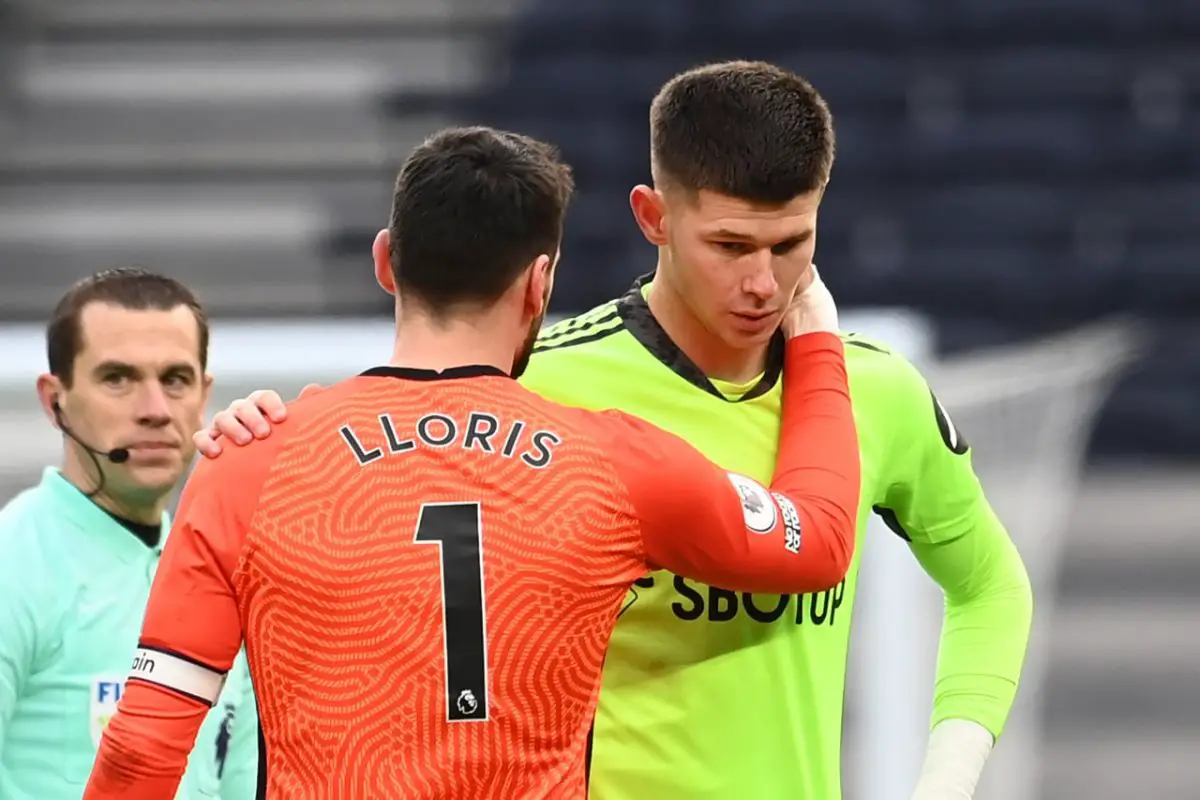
<point>473,207</point>
<point>134,289</point>
<point>746,129</point>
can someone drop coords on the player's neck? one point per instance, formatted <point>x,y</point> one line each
<point>424,344</point>
<point>707,351</point>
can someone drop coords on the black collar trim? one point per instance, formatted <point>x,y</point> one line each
<point>148,535</point>
<point>635,311</point>
<point>453,373</point>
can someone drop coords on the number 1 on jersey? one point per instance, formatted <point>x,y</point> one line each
<point>456,529</point>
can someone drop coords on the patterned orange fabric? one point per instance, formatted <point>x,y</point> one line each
<point>457,597</point>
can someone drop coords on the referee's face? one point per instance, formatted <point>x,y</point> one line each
<point>138,384</point>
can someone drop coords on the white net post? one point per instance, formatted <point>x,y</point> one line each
<point>1028,412</point>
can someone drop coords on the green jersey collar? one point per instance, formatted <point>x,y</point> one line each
<point>103,529</point>
<point>642,325</point>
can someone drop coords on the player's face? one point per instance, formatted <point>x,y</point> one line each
<point>735,264</point>
<point>138,384</point>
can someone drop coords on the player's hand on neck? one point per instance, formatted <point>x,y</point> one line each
<point>812,310</point>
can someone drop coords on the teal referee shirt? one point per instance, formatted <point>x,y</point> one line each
<point>73,588</point>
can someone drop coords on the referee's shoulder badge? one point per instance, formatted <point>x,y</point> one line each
<point>951,436</point>
<point>757,506</point>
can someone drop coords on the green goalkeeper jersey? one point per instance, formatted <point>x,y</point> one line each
<point>73,589</point>
<point>711,694</point>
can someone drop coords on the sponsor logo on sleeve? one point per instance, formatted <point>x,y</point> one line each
<point>791,523</point>
<point>757,507</point>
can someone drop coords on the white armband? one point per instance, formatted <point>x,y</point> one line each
<point>177,673</point>
<point>958,749</point>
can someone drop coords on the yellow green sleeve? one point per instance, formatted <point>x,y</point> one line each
<point>989,607</point>
<point>938,505</point>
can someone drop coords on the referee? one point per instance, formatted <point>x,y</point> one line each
<point>127,387</point>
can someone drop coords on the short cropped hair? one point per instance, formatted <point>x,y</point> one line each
<point>473,207</point>
<point>746,129</point>
<point>134,289</point>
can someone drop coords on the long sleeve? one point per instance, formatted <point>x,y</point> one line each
<point>989,609</point>
<point>726,529</point>
<point>939,507</point>
<point>190,637</point>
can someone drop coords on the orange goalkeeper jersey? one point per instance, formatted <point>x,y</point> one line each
<point>426,569</point>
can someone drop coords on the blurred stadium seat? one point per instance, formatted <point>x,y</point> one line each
<point>227,142</point>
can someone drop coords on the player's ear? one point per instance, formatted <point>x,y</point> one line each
<point>650,212</point>
<point>381,254</point>
<point>538,284</point>
<point>49,392</point>
<point>551,271</point>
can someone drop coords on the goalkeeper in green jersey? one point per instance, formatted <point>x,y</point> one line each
<point>127,388</point>
<point>708,694</point>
